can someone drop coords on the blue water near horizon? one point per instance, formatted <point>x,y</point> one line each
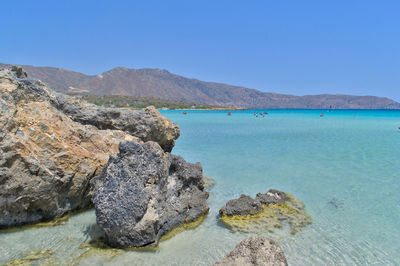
<point>344,167</point>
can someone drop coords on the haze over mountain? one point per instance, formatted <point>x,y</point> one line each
<point>163,84</point>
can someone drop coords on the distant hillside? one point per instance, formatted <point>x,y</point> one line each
<point>163,84</point>
<point>125,101</point>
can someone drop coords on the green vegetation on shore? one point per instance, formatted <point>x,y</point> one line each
<point>123,101</point>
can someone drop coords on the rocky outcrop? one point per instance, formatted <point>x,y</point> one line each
<point>47,160</point>
<point>19,72</point>
<point>272,197</point>
<point>146,125</point>
<point>267,212</point>
<point>255,251</point>
<point>143,193</point>
<point>246,205</point>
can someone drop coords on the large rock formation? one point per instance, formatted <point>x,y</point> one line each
<point>267,212</point>
<point>255,251</point>
<point>143,193</point>
<point>146,125</point>
<point>47,160</point>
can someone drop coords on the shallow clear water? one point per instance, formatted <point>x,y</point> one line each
<point>345,168</point>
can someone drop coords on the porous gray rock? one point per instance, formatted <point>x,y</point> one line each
<point>244,205</point>
<point>273,210</point>
<point>47,160</point>
<point>255,251</point>
<point>144,193</point>
<point>272,197</point>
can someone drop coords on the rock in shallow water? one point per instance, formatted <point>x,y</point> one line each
<point>143,193</point>
<point>255,251</point>
<point>245,205</point>
<point>272,197</point>
<point>276,210</point>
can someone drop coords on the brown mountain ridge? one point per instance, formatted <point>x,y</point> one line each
<point>165,85</point>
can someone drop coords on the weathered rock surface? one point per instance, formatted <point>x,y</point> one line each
<point>146,125</point>
<point>267,212</point>
<point>245,205</point>
<point>47,160</point>
<point>272,197</point>
<point>255,251</point>
<point>19,72</point>
<point>143,193</point>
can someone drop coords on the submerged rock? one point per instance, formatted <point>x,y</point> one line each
<point>255,251</point>
<point>336,203</point>
<point>47,160</point>
<point>143,193</point>
<point>208,181</point>
<point>277,209</point>
<point>39,257</point>
<point>96,249</point>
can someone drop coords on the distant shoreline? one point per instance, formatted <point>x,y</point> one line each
<point>207,109</point>
<point>249,109</point>
<point>136,87</point>
<point>272,109</point>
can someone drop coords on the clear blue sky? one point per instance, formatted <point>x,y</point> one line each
<point>296,47</point>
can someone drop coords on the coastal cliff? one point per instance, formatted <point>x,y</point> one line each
<point>52,146</point>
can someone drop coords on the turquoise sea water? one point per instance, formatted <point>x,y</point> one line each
<point>344,166</point>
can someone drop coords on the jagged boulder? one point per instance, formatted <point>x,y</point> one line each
<point>146,125</point>
<point>255,251</point>
<point>47,160</point>
<point>143,193</point>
